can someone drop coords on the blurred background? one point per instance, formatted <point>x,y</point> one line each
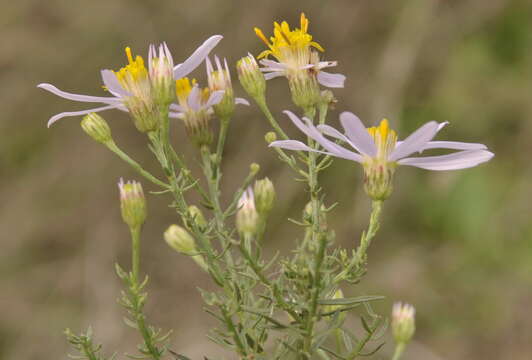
<point>457,245</point>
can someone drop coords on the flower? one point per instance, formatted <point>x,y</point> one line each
<point>250,76</point>
<point>195,109</point>
<point>379,152</point>
<point>247,217</point>
<point>131,80</point>
<point>132,203</point>
<point>296,55</point>
<point>403,322</point>
<point>220,79</point>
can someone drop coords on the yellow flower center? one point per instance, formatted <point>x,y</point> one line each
<point>183,88</point>
<point>286,42</point>
<point>133,72</point>
<point>385,139</point>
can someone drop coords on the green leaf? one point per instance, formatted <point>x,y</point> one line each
<point>350,301</point>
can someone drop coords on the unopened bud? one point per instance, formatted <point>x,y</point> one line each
<point>270,137</point>
<point>162,74</point>
<point>220,79</point>
<point>181,241</point>
<point>264,196</point>
<point>97,128</point>
<point>254,168</point>
<point>132,203</point>
<point>196,214</point>
<point>403,322</point>
<point>338,294</point>
<point>247,218</point>
<point>251,78</point>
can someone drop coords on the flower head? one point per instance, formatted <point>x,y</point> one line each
<point>403,322</point>
<point>379,152</point>
<point>161,70</point>
<point>195,109</point>
<point>219,79</point>
<point>133,81</point>
<point>250,76</point>
<point>132,203</point>
<point>296,55</point>
<point>247,217</point>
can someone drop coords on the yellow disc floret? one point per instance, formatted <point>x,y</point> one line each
<point>285,41</point>
<point>134,71</point>
<point>384,137</point>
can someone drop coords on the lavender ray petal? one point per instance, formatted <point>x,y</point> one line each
<point>78,97</point>
<point>416,141</point>
<point>193,99</point>
<point>197,57</point>
<point>455,145</point>
<point>331,80</point>
<point>358,134</point>
<point>215,98</point>
<point>459,160</point>
<point>273,75</point>
<point>56,117</point>
<point>241,101</point>
<point>112,84</point>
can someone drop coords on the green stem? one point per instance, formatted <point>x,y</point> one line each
<point>399,349</point>
<point>221,138</point>
<point>261,102</point>
<point>136,166</point>
<point>135,254</point>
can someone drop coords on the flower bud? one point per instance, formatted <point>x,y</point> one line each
<point>220,79</point>
<point>162,75</point>
<point>251,78</point>
<point>270,137</point>
<point>247,218</point>
<point>181,241</point>
<point>254,168</point>
<point>96,127</point>
<point>403,322</point>
<point>196,214</point>
<point>132,203</point>
<point>264,196</point>
<point>338,294</point>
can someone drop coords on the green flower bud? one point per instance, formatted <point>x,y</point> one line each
<point>254,168</point>
<point>132,203</point>
<point>264,196</point>
<point>197,215</point>
<point>270,137</point>
<point>403,322</point>
<point>251,78</point>
<point>97,128</point>
<point>247,218</point>
<point>181,241</point>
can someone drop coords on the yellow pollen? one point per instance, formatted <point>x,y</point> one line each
<point>286,41</point>
<point>134,71</point>
<point>183,88</point>
<point>384,137</point>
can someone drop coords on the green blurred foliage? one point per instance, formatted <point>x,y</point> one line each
<point>457,245</point>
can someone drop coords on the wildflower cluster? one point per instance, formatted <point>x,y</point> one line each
<point>294,306</point>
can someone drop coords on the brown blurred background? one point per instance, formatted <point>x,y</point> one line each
<point>455,244</point>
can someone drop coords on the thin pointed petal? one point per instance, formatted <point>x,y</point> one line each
<point>331,80</point>
<point>273,75</point>
<point>111,83</point>
<point>416,141</point>
<point>456,161</point>
<point>455,145</point>
<point>215,98</point>
<point>241,101</point>
<point>56,117</point>
<point>78,97</point>
<point>197,57</point>
<point>193,99</point>
<point>309,130</point>
<point>358,134</point>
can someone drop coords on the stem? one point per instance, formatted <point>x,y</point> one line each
<point>399,349</point>
<point>221,138</point>
<point>264,108</point>
<point>136,166</point>
<point>135,254</point>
